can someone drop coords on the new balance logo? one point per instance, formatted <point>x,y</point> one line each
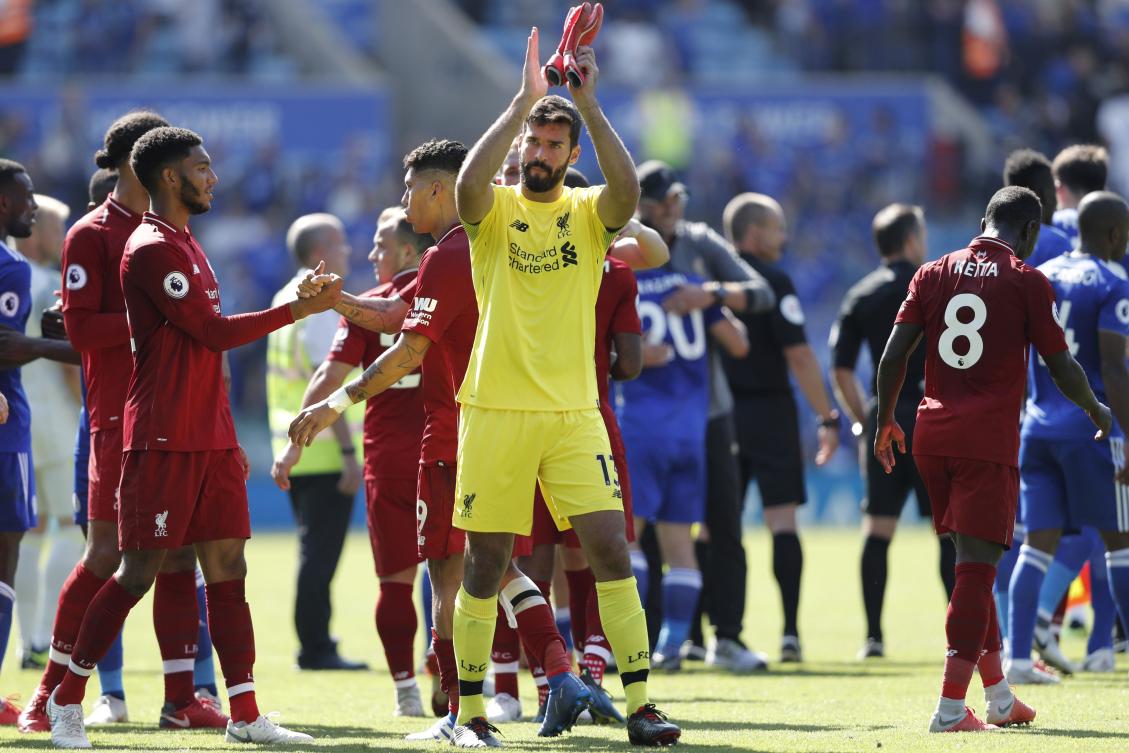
<point>468,502</point>
<point>568,254</point>
<point>519,226</point>
<point>562,226</point>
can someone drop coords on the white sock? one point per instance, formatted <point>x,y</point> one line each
<point>951,707</point>
<point>998,693</point>
<point>67,545</point>
<point>27,587</point>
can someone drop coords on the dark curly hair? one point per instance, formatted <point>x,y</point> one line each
<point>1013,207</point>
<point>123,133</point>
<point>437,154</point>
<point>156,149</point>
<point>1031,169</point>
<point>556,109</point>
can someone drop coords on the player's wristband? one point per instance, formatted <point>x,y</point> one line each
<point>831,422</point>
<point>339,401</point>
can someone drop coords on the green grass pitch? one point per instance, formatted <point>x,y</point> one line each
<point>830,704</point>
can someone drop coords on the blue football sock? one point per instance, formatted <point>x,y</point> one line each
<point>642,572</point>
<point>681,588</point>
<point>110,670</point>
<point>1117,568</point>
<point>1055,585</point>
<point>1003,577</point>
<point>204,670</point>
<point>7,606</point>
<point>425,599</point>
<point>563,618</point>
<point>1024,596</point>
<point>1105,611</point>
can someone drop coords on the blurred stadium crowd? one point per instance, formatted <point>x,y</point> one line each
<point>1036,71</point>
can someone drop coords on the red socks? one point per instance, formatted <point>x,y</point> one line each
<point>396,626</point>
<point>581,583</point>
<point>991,664</point>
<point>229,618</point>
<point>104,619</point>
<point>597,650</point>
<point>74,599</point>
<point>176,620</point>
<point>505,654</point>
<point>444,650</point>
<point>537,627</point>
<point>966,625</point>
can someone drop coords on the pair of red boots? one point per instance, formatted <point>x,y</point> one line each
<point>581,26</point>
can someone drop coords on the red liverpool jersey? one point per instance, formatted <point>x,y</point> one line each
<point>394,419</point>
<point>615,313</point>
<point>980,308</point>
<point>94,308</point>
<point>444,311</point>
<point>176,398</point>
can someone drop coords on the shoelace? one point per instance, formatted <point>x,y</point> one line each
<point>650,711</point>
<point>73,725</point>
<point>481,727</point>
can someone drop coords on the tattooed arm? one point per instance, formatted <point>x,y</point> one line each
<point>393,365</point>
<point>376,314</point>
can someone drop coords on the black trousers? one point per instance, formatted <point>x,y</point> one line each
<point>723,565</point>
<point>322,514</point>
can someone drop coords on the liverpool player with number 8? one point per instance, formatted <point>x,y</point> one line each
<point>978,309</point>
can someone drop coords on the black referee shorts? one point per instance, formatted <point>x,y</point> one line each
<point>768,435</point>
<point>886,492</point>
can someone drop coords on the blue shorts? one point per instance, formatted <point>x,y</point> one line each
<point>17,492</point>
<point>668,478</point>
<point>81,472</point>
<point>1067,484</point>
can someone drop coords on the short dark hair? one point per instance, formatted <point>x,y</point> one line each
<point>743,211</point>
<point>1082,168</point>
<point>122,134</point>
<point>156,149</point>
<point>556,109</point>
<point>102,183</point>
<point>9,169</point>
<point>1013,207</point>
<point>576,179</point>
<point>437,154</point>
<point>893,226</point>
<point>1031,169</point>
<point>404,231</point>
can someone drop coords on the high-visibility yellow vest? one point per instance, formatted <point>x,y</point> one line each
<point>289,369</point>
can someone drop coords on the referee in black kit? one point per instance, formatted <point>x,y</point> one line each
<point>867,316</point>
<point>768,431</point>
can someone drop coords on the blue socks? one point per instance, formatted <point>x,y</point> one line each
<point>1003,577</point>
<point>425,598</point>
<point>681,588</point>
<point>642,572</point>
<point>204,670</point>
<point>1117,568</point>
<point>1024,596</point>
<point>1105,611</point>
<point>7,606</point>
<point>563,618</point>
<point>110,670</point>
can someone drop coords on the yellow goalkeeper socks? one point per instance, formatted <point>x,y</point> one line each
<point>625,626</point>
<point>474,635</point>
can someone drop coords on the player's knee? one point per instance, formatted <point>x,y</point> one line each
<point>139,569</point>
<point>180,560</point>
<point>102,557</point>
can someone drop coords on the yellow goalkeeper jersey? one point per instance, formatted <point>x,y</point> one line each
<point>537,269</point>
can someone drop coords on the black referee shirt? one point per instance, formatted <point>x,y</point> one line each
<point>764,369</point>
<point>867,315</point>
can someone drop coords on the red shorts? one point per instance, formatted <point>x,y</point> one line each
<point>105,473</point>
<point>971,497</point>
<point>523,545</point>
<point>436,536</point>
<point>545,529</point>
<point>390,510</point>
<point>170,499</point>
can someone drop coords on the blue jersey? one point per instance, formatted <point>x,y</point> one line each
<point>1090,297</point>
<point>1066,220</point>
<point>671,400</point>
<point>15,306</point>
<point>1052,242</point>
